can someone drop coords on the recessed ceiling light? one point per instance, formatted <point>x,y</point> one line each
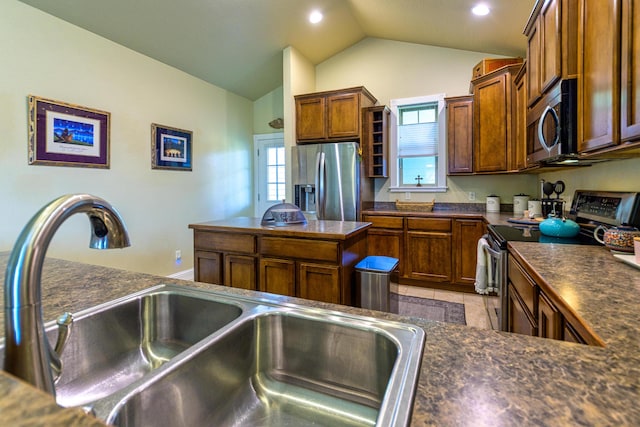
<point>480,10</point>
<point>315,17</point>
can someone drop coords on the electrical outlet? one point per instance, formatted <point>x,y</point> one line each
<point>178,256</point>
<point>472,195</point>
<point>407,195</point>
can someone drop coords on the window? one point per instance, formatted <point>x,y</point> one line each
<point>418,144</point>
<point>269,180</point>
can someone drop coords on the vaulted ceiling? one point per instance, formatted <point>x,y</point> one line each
<point>237,44</point>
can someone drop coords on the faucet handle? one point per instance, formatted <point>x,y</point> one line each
<point>64,322</point>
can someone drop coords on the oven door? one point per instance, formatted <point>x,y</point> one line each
<point>497,272</point>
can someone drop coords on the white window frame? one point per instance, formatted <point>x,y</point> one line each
<point>394,173</point>
<point>260,143</point>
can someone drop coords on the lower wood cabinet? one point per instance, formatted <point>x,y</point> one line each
<point>533,311</point>
<point>433,251</point>
<point>313,268</point>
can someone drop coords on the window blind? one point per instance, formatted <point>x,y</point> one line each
<point>418,140</point>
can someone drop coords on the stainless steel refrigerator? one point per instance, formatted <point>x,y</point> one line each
<point>327,180</point>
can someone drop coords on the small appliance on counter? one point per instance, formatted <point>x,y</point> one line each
<point>283,214</point>
<point>550,205</point>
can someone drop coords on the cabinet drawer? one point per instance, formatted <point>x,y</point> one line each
<point>429,224</point>
<point>524,286</point>
<point>299,248</point>
<point>225,242</point>
<point>393,222</point>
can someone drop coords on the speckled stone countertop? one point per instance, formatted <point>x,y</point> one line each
<point>469,377</point>
<point>339,230</point>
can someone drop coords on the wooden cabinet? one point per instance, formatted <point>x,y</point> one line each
<point>278,276</point>
<point>375,141</point>
<point>608,83</point>
<point>492,120</point>
<point>466,233</point>
<point>491,64</point>
<point>519,151</point>
<point>432,251</point>
<point>320,283</point>
<point>306,265</point>
<point>549,319</point>
<point>551,45</point>
<point>225,259</point>
<point>386,237</point>
<point>534,310</point>
<point>630,72</point>
<point>459,134</point>
<point>428,249</point>
<point>523,300</point>
<point>332,115</point>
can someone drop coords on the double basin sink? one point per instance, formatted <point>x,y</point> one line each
<point>174,355</point>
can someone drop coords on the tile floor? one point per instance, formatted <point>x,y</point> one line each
<point>479,310</point>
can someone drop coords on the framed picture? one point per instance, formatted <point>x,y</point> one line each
<point>171,148</point>
<point>62,134</point>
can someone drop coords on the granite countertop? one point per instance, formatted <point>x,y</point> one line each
<point>468,377</point>
<point>338,230</point>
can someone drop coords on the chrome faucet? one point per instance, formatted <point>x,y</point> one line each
<point>28,354</point>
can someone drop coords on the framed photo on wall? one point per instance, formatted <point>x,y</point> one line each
<point>62,134</point>
<point>171,148</point>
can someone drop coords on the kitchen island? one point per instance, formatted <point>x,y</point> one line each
<point>314,260</point>
<point>468,377</point>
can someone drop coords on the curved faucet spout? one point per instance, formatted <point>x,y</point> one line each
<point>28,354</point>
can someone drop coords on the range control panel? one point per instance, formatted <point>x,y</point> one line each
<point>612,207</point>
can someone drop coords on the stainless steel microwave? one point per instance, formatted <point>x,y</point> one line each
<point>552,126</point>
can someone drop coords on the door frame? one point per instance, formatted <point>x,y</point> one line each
<point>260,142</point>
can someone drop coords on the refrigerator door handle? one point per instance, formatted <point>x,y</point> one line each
<point>320,185</point>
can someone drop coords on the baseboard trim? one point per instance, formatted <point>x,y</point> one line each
<point>183,275</point>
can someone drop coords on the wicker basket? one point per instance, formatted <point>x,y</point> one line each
<point>415,206</point>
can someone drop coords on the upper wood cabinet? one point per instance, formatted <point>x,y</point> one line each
<point>493,98</point>
<point>459,134</point>
<point>332,115</point>
<point>519,151</point>
<point>551,45</point>
<point>608,84</point>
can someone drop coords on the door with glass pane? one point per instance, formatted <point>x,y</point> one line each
<point>269,171</point>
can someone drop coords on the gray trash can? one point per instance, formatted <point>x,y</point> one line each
<point>373,279</point>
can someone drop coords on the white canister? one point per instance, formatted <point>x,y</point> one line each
<point>520,204</point>
<point>493,203</point>
<point>534,208</point>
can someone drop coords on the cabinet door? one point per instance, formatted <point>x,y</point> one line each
<point>344,115</point>
<point>519,321</point>
<point>386,243</point>
<point>428,256</point>
<point>519,151</point>
<point>533,65</point>
<point>460,135</point>
<point>278,276</point>
<point>599,77</point>
<point>550,52</point>
<point>310,118</point>
<point>208,267</point>
<point>319,282</point>
<point>549,319</point>
<point>240,271</point>
<point>630,67</point>
<point>466,235</point>
<point>492,127</point>
<point>570,335</point>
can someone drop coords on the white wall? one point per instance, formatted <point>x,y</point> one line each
<point>391,69</point>
<point>50,58</point>
<point>266,109</point>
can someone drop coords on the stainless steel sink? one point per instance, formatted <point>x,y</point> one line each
<point>275,369</point>
<point>181,356</point>
<point>118,343</point>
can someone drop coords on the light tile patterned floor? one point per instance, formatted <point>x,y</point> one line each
<point>479,310</point>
